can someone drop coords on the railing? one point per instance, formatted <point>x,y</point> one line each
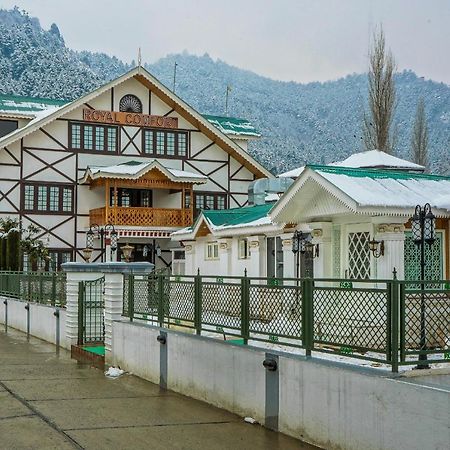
<point>133,216</point>
<point>40,287</point>
<point>376,320</point>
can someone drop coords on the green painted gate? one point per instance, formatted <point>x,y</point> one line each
<point>434,258</point>
<point>91,312</point>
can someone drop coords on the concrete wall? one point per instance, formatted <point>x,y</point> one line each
<point>42,321</point>
<point>330,405</point>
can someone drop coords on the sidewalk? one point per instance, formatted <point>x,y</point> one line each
<point>48,401</point>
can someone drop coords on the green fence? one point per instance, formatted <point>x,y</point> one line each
<point>382,321</point>
<point>40,287</point>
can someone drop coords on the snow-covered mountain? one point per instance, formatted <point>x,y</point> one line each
<point>301,123</point>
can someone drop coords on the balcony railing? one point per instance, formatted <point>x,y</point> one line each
<point>141,217</point>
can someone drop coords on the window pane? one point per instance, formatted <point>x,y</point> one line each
<point>76,136</point>
<point>67,200</point>
<point>182,144</point>
<point>42,198</point>
<point>54,198</point>
<point>125,198</point>
<point>220,202</point>
<point>160,143</point>
<point>170,144</point>
<point>187,200</point>
<point>200,201</point>
<point>29,197</point>
<point>210,202</point>
<point>148,141</point>
<point>88,137</point>
<point>99,138</point>
<point>112,139</point>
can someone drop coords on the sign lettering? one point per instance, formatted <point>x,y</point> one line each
<point>131,119</point>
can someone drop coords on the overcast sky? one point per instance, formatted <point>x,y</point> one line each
<point>301,40</point>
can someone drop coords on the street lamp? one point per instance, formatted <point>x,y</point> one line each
<point>95,229</point>
<point>127,250</point>
<point>301,244</point>
<point>423,231</point>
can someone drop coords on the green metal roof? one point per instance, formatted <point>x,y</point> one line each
<point>27,105</point>
<point>232,125</point>
<point>376,173</point>
<point>237,216</point>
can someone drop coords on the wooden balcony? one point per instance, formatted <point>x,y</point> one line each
<point>141,217</point>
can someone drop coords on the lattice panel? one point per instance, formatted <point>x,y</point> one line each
<point>354,318</point>
<point>221,305</point>
<point>163,217</point>
<point>433,258</point>
<point>437,320</point>
<point>276,310</point>
<point>46,288</point>
<point>181,301</point>
<point>359,255</point>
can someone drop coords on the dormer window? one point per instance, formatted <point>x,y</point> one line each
<point>130,103</point>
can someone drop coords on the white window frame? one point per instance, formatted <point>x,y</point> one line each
<point>212,251</point>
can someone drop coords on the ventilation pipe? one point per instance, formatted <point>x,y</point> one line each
<point>258,190</point>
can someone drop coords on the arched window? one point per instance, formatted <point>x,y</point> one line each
<point>130,103</point>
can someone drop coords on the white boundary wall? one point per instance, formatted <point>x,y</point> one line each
<point>43,322</point>
<point>320,402</point>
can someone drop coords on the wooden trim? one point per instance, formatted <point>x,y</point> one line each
<point>202,150</point>
<point>50,166</point>
<point>53,139</point>
<point>12,155</point>
<point>167,113</point>
<point>5,196</point>
<point>130,141</point>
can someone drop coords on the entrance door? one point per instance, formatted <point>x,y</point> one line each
<point>359,264</point>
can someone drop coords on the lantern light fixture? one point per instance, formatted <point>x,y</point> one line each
<point>127,251</point>
<point>376,248</point>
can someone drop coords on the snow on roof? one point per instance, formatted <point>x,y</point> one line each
<point>369,159</point>
<point>14,104</point>
<point>136,169</point>
<point>372,187</point>
<point>294,173</point>
<point>233,126</point>
<point>377,159</point>
<point>229,219</point>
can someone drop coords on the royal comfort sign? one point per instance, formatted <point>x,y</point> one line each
<point>131,119</point>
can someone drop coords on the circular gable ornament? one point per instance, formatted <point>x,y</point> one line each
<point>130,103</point>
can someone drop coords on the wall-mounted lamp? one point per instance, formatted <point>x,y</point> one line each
<point>376,247</point>
<point>87,253</point>
<point>313,249</point>
<point>127,250</point>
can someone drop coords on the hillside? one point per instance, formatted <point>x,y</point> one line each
<point>314,122</point>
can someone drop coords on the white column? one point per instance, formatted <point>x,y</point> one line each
<point>225,265</point>
<point>393,236</point>
<point>257,245</point>
<point>72,289</point>
<point>113,308</point>
<point>323,264</point>
<point>189,254</point>
<point>289,268</point>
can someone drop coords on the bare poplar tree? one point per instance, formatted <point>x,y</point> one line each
<point>419,139</point>
<point>377,122</point>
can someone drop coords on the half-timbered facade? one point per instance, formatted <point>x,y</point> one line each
<point>130,153</point>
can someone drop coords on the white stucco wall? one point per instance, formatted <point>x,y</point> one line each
<point>333,406</point>
<point>43,322</point>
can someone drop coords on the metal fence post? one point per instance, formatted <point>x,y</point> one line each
<point>307,315</point>
<point>53,299</point>
<point>131,297</point>
<point>198,303</point>
<point>160,300</point>
<point>245,307</point>
<point>5,302</point>
<point>394,323</point>
<point>81,291</point>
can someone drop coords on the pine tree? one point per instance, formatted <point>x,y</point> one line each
<point>419,139</point>
<point>377,123</point>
